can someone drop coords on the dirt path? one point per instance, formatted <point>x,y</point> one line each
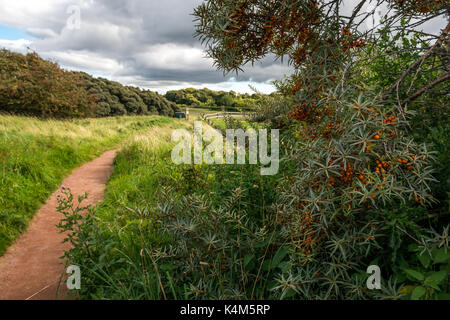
<point>31,268</point>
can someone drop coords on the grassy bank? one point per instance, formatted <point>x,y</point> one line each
<point>167,231</point>
<point>118,242</point>
<point>35,155</point>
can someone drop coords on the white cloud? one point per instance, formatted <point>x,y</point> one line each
<point>15,45</point>
<point>30,14</point>
<point>173,56</point>
<point>84,60</point>
<point>42,32</point>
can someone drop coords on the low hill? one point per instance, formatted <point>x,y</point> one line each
<point>30,85</point>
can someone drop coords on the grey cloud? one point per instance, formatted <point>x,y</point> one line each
<point>141,41</point>
<point>147,40</point>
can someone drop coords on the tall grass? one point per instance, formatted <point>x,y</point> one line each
<point>128,249</point>
<point>35,155</point>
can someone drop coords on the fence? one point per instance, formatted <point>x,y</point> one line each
<point>216,115</point>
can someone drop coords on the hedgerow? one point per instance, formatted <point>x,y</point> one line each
<point>30,85</point>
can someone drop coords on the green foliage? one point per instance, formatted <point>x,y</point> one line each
<point>114,99</point>
<point>429,113</point>
<point>35,155</point>
<point>217,100</point>
<point>30,85</point>
<point>356,187</point>
<point>336,187</point>
<point>427,272</point>
<point>138,244</point>
<point>33,86</point>
<point>222,232</point>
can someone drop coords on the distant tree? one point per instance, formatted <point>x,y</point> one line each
<point>116,99</point>
<point>225,99</point>
<point>34,86</point>
<point>209,98</point>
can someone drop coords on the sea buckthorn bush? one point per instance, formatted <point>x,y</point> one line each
<point>359,186</point>
<point>356,186</point>
<point>356,160</point>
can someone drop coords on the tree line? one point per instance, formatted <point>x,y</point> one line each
<point>30,85</point>
<point>205,97</point>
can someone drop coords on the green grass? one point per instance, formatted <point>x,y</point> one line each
<point>221,124</point>
<point>35,156</point>
<point>141,167</point>
<point>125,226</point>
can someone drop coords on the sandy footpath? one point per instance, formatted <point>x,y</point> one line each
<point>31,268</point>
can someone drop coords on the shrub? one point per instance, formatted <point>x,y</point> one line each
<point>116,99</point>
<point>33,86</point>
<point>214,99</point>
<point>355,186</point>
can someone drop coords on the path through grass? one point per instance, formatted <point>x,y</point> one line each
<point>35,155</point>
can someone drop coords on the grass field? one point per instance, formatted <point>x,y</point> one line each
<point>35,156</point>
<point>128,224</point>
<point>167,231</point>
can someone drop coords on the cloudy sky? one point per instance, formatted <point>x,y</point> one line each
<point>147,43</point>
